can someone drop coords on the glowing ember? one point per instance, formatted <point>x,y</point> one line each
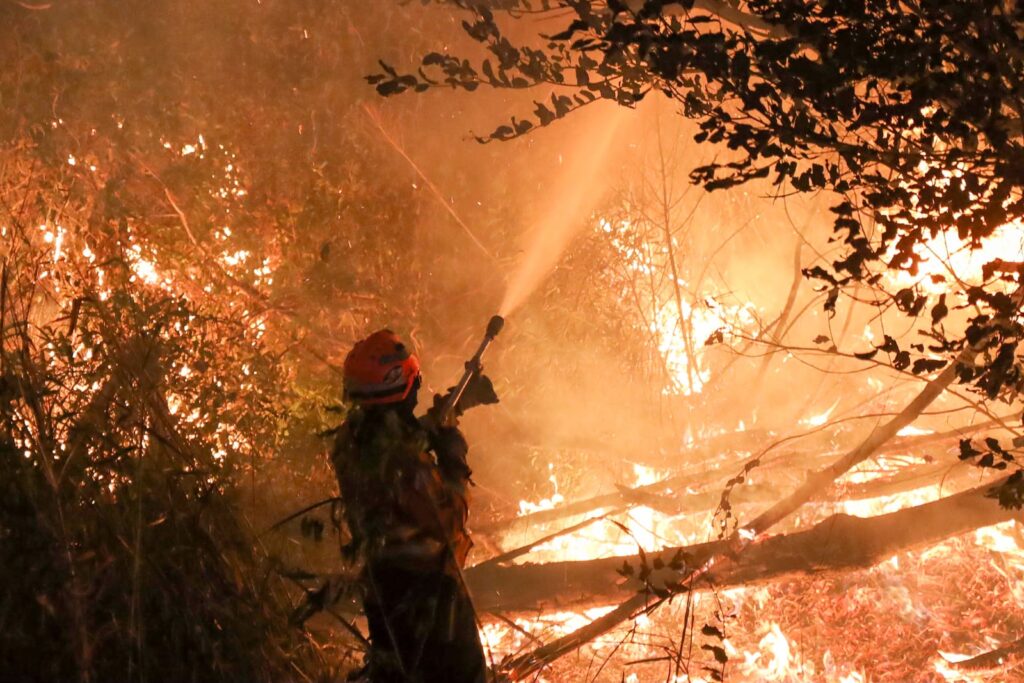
<point>911,430</point>
<point>774,659</point>
<point>526,507</point>
<point>144,268</point>
<point>821,418</point>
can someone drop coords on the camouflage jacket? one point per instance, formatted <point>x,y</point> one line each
<point>404,490</point>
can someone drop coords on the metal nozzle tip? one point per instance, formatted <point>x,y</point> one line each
<point>494,326</point>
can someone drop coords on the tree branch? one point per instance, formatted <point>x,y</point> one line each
<point>839,543</point>
<point>739,541</point>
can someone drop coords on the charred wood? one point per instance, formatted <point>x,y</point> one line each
<point>816,484</point>
<point>839,543</point>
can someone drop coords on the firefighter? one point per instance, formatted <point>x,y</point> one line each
<point>404,486</point>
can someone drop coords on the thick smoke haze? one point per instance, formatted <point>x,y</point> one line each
<point>221,178</point>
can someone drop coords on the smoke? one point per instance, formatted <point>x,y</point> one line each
<point>574,193</point>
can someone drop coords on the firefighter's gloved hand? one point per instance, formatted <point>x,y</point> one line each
<point>479,392</point>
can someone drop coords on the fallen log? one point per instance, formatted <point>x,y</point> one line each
<point>908,479</point>
<point>839,543</point>
<point>844,542</point>
<point>816,484</point>
<point>627,497</point>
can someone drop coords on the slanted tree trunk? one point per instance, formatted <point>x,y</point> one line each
<point>625,497</point>
<point>839,543</point>
<point>657,495</point>
<point>946,474</point>
<point>817,483</point>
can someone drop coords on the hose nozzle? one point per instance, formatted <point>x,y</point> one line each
<point>494,326</point>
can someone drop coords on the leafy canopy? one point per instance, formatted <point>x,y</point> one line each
<point>908,113</point>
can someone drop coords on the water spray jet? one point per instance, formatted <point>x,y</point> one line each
<point>576,192</point>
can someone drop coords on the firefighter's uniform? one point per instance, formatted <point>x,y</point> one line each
<point>404,491</point>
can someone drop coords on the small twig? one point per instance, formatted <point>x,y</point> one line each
<point>522,550</point>
<point>301,512</point>
<point>517,627</point>
<point>374,117</point>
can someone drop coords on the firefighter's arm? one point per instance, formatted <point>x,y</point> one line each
<point>451,449</point>
<point>341,459</point>
<point>479,392</point>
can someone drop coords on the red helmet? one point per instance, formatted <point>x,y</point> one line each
<point>380,369</point>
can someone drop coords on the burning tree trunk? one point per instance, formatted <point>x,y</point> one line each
<point>817,483</point>
<point>949,474</point>
<point>839,543</point>
<point>657,495</point>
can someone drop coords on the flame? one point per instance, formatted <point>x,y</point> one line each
<point>526,507</point>
<point>682,322</point>
<point>870,507</point>
<point>997,539</point>
<point>767,645</point>
<point>145,269</point>
<point>774,658</point>
<point>948,257</point>
<point>821,418</point>
<point>911,430</point>
<point>683,352</point>
<point>645,527</point>
<point>503,637</point>
<point>949,673</point>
